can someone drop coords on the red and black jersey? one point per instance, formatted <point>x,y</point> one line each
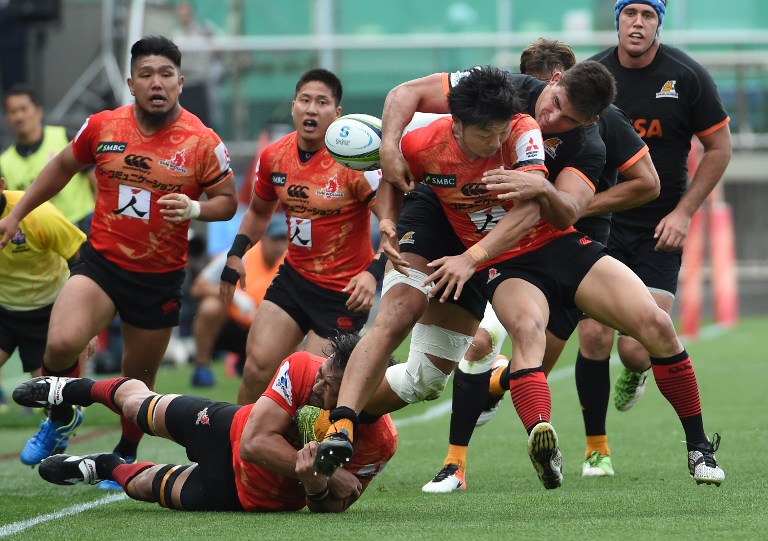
<point>327,207</point>
<point>668,101</point>
<point>133,170</point>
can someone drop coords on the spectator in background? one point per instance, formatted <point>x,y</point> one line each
<point>220,327</point>
<point>36,144</point>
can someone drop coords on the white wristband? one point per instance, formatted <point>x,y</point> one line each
<point>194,209</point>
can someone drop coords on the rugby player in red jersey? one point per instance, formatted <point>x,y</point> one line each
<point>328,281</point>
<point>153,162</point>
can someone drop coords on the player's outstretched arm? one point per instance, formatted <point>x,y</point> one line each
<point>418,95</point>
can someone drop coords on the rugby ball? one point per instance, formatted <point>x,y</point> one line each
<point>354,141</point>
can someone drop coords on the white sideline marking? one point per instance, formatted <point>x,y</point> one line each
<point>16,527</point>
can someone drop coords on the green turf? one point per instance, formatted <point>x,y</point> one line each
<point>651,497</point>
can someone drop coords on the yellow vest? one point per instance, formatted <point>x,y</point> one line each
<point>75,201</point>
<point>33,265</point>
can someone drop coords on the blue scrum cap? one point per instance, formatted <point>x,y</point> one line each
<point>660,6</point>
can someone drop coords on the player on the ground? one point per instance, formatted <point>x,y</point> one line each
<point>328,281</point>
<point>247,458</point>
<point>154,160</point>
<point>625,153</point>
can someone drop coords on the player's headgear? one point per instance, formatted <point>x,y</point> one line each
<point>660,6</point>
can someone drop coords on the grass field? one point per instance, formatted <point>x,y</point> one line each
<point>651,497</point>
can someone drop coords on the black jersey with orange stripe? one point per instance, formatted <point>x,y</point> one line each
<point>668,101</point>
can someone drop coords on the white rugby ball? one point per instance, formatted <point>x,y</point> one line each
<point>354,141</point>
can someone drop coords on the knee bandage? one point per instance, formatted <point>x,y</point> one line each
<point>498,334</point>
<point>415,279</point>
<point>418,379</point>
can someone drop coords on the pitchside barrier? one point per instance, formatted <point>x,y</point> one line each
<point>710,235</point>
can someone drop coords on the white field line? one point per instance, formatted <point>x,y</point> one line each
<point>16,527</point>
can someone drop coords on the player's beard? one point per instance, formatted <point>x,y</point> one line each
<point>156,120</point>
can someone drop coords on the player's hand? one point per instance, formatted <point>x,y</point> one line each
<point>390,245</point>
<point>363,288</point>
<point>305,469</point>
<point>344,484</point>
<point>178,207</point>
<point>672,231</point>
<point>395,170</point>
<point>452,273</point>
<point>510,184</point>
<point>227,289</point>
<point>8,228</point>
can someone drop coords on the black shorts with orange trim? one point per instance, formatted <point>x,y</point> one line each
<point>423,229</point>
<point>556,269</point>
<point>28,331</point>
<point>636,248</point>
<point>312,307</point>
<point>146,300</point>
<point>202,427</point>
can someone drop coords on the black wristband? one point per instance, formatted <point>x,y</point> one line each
<point>377,267</point>
<point>229,275</point>
<point>239,245</point>
<point>319,496</point>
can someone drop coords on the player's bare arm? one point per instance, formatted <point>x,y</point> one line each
<point>362,290</point>
<point>252,228</point>
<point>673,228</point>
<point>423,95</point>
<point>562,203</point>
<point>389,202</point>
<point>263,441</point>
<point>640,186</point>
